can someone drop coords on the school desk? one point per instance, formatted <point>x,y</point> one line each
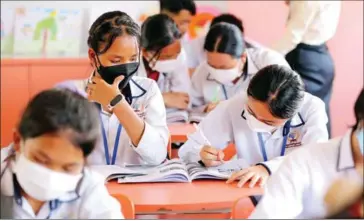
<point>167,198</point>
<point>179,131</point>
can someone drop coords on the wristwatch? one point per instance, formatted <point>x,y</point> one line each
<point>115,101</point>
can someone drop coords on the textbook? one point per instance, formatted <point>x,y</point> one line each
<point>183,116</point>
<point>174,170</point>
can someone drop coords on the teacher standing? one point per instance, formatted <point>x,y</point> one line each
<point>309,26</point>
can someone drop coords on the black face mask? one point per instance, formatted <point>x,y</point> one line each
<point>109,73</point>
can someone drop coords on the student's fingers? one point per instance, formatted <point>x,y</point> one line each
<point>221,155</point>
<point>210,150</point>
<point>254,180</point>
<point>236,175</point>
<point>96,79</point>
<point>91,86</point>
<point>118,80</point>
<point>245,178</point>
<point>208,156</point>
<point>211,163</point>
<point>263,180</point>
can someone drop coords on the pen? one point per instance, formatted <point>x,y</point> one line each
<point>216,99</point>
<point>206,142</point>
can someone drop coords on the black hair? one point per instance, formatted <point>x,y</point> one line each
<point>225,38</point>
<point>280,87</point>
<point>109,26</point>
<point>359,109</point>
<point>62,110</point>
<point>158,31</point>
<point>228,18</point>
<point>175,6</point>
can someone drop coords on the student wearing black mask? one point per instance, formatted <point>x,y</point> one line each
<point>132,111</point>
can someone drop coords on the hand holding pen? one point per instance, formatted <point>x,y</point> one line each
<point>210,156</point>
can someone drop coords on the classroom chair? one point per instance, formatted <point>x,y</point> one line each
<point>127,206</point>
<point>242,208</point>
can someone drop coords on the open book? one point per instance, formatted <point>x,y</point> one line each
<point>174,170</point>
<point>184,116</point>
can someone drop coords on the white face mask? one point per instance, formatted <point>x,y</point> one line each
<point>167,66</point>
<point>42,183</point>
<point>257,125</point>
<point>225,76</point>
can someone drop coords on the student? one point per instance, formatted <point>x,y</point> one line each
<point>164,61</point>
<point>297,190</point>
<point>45,177</point>
<point>134,128</point>
<point>309,26</point>
<point>181,11</point>
<point>195,48</point>
<point>274,117</point>
<point>228,68</point>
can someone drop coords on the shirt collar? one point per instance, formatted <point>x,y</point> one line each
<point>345,158</point>
<point>252,68</point>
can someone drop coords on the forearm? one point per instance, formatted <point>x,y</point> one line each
<point>132,123</point>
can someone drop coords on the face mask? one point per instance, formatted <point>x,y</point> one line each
<point>360,136</point>
<point>224,76</point>
<point>109,73</point>
<point>256,125</point>
<point>167,66</point>
<point>42,183</point>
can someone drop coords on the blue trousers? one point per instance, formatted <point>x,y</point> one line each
<point>316,67</point>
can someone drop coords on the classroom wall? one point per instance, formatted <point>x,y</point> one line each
<point>264,22</point>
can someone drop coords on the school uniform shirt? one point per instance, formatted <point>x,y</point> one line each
<point>309,22</point>
<point>227,124</point>
<point>196,53</point>
<point>148,103</point>
<point>175,81</point>
<point>92,202</point>
<point>297,190</point>
<point>206,90</point>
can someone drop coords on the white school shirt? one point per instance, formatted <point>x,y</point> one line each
<point>196,53</point>
<point>94,201</point>
<point>176,81</point>
<point>206,90</point>
<point>298,188</point>
<point>227,124</point>
<point>309,22</point>
<point>148,104</point>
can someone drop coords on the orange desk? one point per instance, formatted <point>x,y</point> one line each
<point>179,132</point>
<point>151,198</point>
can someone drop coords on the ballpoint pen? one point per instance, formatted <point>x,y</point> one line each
<point>206,142</point>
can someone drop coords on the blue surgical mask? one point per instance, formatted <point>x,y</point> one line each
<point>360,136</point>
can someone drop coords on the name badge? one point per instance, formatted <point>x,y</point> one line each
<point>140,111</point>
<point>294,139</point>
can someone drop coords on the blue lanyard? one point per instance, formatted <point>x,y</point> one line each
<point>262,146</point>
<point>53,205</point>
<point>224,91</point>
<point>106,145</point>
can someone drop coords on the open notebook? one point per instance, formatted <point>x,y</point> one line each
<point>174,170</point>
<point>174,116</point>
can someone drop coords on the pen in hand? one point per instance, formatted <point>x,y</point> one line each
<point>206,143</point>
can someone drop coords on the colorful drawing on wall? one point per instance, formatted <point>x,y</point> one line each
<point>7,34</point>
<point>49,32</point>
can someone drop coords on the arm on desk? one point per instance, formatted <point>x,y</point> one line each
<point>216,127</point>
